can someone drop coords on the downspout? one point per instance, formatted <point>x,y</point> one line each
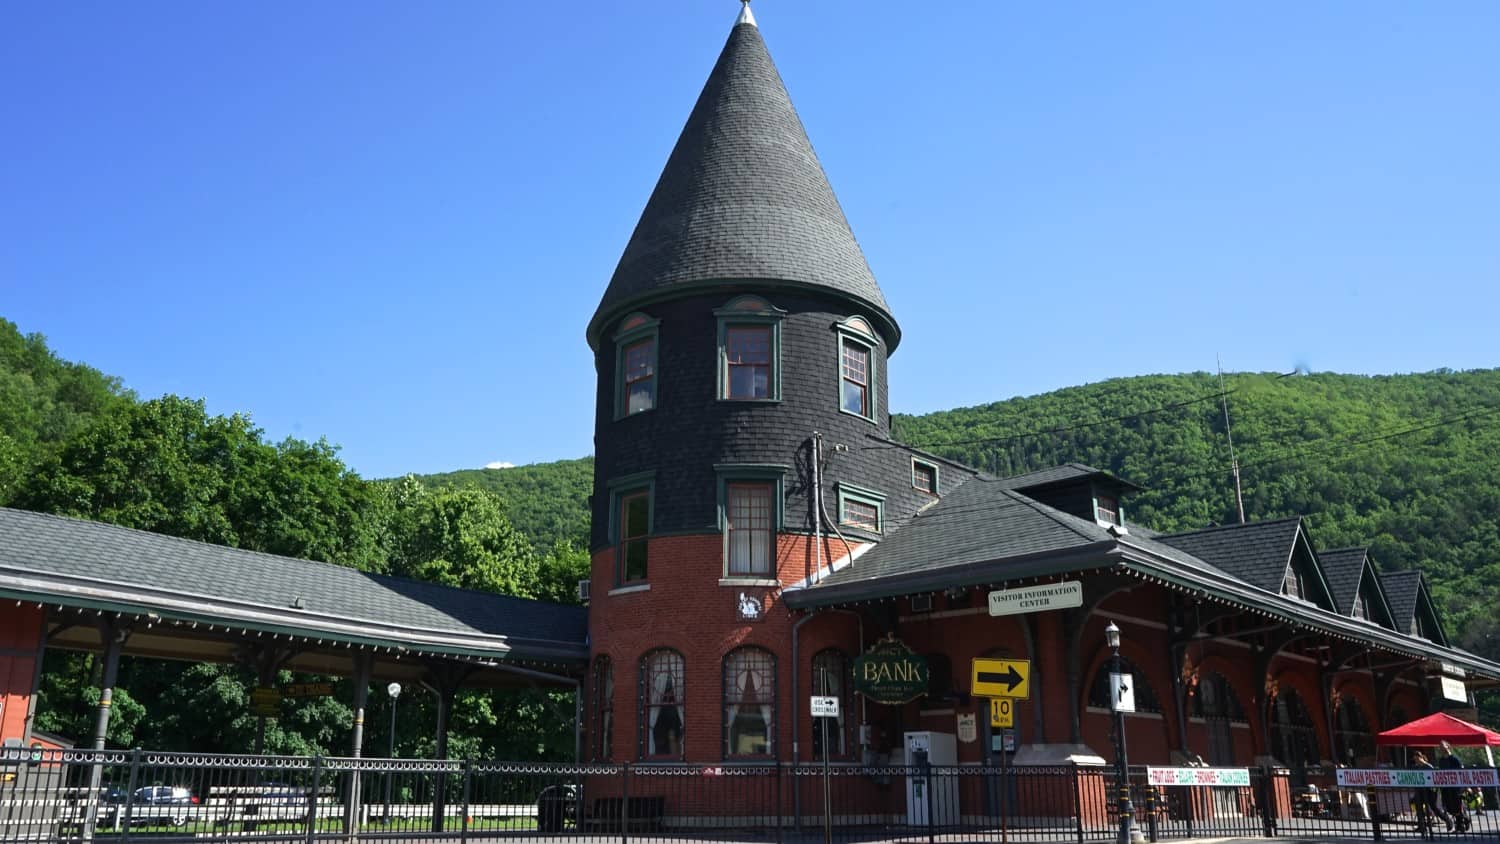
<point>816,446</point>
<point>796,709</point>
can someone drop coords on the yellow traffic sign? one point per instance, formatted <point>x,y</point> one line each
<point>1003,712</point>
<point>1002,678</point>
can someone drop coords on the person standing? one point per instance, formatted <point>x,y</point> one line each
<point>1453,798</point>
<point>1426,798</point>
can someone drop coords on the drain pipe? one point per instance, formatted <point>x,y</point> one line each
<point>816,446</point>
<point>796,706</point>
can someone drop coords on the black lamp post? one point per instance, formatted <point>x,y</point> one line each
<point>1122,766</point>
<point>394,690</point>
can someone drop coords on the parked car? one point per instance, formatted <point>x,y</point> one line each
<point>152,804</point>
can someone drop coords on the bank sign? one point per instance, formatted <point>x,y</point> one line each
<point>1052,596</point>
<point>1419,778</point>
<point>890,673</point>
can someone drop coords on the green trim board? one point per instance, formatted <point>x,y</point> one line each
<point>635,328</point>
<point>849,492</point>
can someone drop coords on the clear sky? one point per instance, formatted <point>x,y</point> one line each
<point>387,223</point>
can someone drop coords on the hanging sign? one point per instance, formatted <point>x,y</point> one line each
<point>1419,778</point>
<point>1198,776</point>
<point>889,672</point>
<point>1001,678</point>
<point>1453,689</point>
<point>307,690</point>
<point>1002,712</point>
<point>825,707</point>
<point>968,729</point>
<point>1123,699</point>
<point>1053,596</point>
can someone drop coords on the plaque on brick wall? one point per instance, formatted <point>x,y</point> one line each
<point>889,672</point>
<point>751,608</point>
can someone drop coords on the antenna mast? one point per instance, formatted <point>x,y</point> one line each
<point>1234,463</point>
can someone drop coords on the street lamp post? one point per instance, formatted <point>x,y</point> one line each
<point>394,690</point>
<point>1128,833</point>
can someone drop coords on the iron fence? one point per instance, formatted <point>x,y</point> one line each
<point>120,796</point>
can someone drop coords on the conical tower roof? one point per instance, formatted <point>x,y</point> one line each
<point>742,203</point>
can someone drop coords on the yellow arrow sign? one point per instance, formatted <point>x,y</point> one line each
<point>1003,712</point>
<point>1002,678</point>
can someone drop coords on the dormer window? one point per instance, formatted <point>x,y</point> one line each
<point>924,476</point>
<point>1361,607</point>
<point>1107,509</point>
<point>749,350</point>
<point>1292,585</point>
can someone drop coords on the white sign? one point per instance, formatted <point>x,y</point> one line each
<point>825,707</point>
<point>968,728</point>
<point>1419,778</point>
<point>1454,690</point>
<point>1053,596</point>
<point>1124,696</point>
<point>1198,776</point>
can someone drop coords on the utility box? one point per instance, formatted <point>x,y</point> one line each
<point>933,791</point>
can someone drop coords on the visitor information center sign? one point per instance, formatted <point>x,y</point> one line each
<point>1052,596</point>
<point>1198,776</point>
<point>1419,778</point>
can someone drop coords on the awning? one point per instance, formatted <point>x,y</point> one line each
<point>1436,729</point>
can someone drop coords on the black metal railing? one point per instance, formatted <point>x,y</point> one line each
<point>120,796</point>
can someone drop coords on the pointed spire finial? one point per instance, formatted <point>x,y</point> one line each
<point>745,14</point>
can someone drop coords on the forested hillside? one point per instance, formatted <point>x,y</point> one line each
<point>1406,464</point>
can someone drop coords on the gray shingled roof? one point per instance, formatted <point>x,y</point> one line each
<point>1056,474</point>
<point>1343,567</point>
<point>1401,593</point>
<point>742,198</point>
<point>1256,553</point>
<point>980,522</point>
<point>76,562</point>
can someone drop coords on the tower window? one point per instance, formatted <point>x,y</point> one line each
<point>857,344</point>
<point>662,721</point>
<point>747,362</point>
<point>750,527</point>
<point>635,530</point>
<point>749,703</point>
<point>749,350</point>
<point>635,365</point>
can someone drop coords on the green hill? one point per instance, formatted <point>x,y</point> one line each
<point>546,501</point>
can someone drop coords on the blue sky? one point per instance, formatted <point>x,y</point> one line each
<point>387,223</point>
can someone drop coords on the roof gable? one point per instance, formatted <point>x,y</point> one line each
<point>1350,573</point>
<point>742,199</point>
<point>1257,553</point>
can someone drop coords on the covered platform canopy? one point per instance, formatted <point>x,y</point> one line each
<point>1435,729</point>
<point>84,585</point>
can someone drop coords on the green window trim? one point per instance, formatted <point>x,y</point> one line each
<point>868,497</point>
<point>636,328</point>
<point>915,462</point>
<point>750,311</point>
<point>620,489</point>
<point>771,474</point>
<point>856,331</point>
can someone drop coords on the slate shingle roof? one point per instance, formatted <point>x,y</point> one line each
<point>1054,474</point>
<point>1401,593</point>
<point>1343,568</point>
<point>1256,553</point>
<point>742,197</point>
<point>106,564</point>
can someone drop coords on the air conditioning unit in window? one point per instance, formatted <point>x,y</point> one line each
<point>921,603</point>
<point>583,590</point>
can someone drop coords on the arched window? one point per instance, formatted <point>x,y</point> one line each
<point>663,691</point>
<point>1352,735</point>
<point>749,703</point>
<point>604,708</point>
<point>1214,701</point>
<point>1294,742</point>
<point>830,678</point>
<point>1099,692</point>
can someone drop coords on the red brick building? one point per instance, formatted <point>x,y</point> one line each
<point>756,528</point>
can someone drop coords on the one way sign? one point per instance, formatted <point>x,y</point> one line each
<point>1002,678</point>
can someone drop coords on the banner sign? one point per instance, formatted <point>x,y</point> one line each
<point>1198,776</point>
<point>1419,778</point>
<point>890,673</point>
<point>307,690</point>
<point>1053,596</point>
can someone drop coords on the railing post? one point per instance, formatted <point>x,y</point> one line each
<point>1374,814</point>
<point>1267,796</point>
<point>778,801</point>
<point>1077,800</point>
<point>1151,808</point>
<point>312,798</point>
<point>926,768</point>
<point>135,770</point>
<point>463,834</point>
<point>625,806</point>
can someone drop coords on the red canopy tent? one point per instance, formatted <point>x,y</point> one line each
<point>1436,729</point>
